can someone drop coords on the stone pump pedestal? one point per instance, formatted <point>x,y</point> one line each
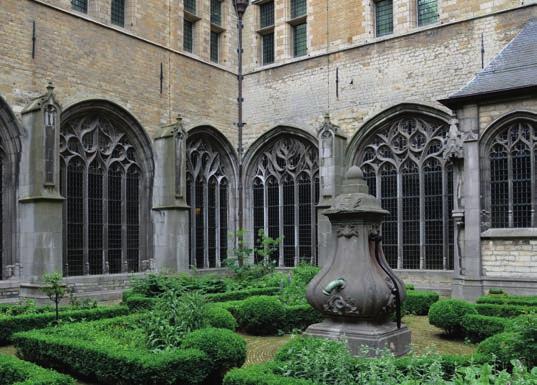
<point>356,290</point>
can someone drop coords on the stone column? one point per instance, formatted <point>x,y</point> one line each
<point>331,171</point>
<point>40,202</point>
<point>170,211</point>
<point>467,281</point>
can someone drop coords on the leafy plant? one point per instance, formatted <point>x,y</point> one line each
<point>267,246</point>
<point>54,289</point>
<point>448,315</point>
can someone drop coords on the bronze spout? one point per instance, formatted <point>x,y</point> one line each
<point>336,284</point>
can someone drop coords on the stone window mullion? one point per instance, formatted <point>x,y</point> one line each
<point>106,260</point>
<point>399,219</point>
<point>445,216</point>
<point>218,257</point>
<point>510,187</point>
<point>124,221</point>
<point>85,215</point>
<point>280,223</point>
<point>533,186</point>
<point>422,216</point>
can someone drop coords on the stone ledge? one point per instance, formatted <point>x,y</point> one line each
<point>509,233</point>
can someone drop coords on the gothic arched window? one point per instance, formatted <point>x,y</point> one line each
<point>511,158</point>
<point>101,179</point>
<point>285,192</point>
<point>404,167</point>
<point>208,193</point>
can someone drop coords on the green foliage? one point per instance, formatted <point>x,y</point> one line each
<point>418,302</point>
<point>299,317</point>
<point>224,348</point>
<point>294,291</point>
<point>218,317</point>
<point>139,302</point>
<point>260,375</point>
<point>305,272</point>
<point>241,294</point>
<point>174,316</point>
<point>508,311</point>
<point>154,285</point>
<point>487,375</point>
<point>478,327</point>
<point>448,315</point>
<point>54,289</point>
<point>267,246</point>
<point>508,300</point>
<point>526,327</point>
<point>409,286</point>
<point>23,307</point>
<point>241,252</point>
<point>261,315</point>
<point>14,371</point>
<point>319,360</point>
<point>11,325</point>
<point>501,348</point>
<point>496,291</point>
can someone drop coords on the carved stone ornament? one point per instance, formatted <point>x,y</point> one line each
<point>347,231</point>
<point>180,156</point>
<point>339,306</point>
<point>453,145</point>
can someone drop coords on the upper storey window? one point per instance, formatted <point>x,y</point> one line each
<point>298,8</point>
<point>427,12</point>
<point>266,14</point>
<point>190,6</point>
<point>189,25</point>
<point>266,23</point>
<point>80,5</point>
<point>216,12</point>
<point>118,12</point>
<point>299,11</point>
<point>384,17</point>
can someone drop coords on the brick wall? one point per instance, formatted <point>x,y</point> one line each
<point>513,258</point>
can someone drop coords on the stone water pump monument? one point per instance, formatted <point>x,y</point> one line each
<point>356,290</point>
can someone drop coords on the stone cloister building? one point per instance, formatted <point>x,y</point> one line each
<point>127,162</point>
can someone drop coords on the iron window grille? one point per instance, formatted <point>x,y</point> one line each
<point>118,12</point>
<point>512,175</point>
<point>300,44</point>
<point>427,12</point>
<point>101,181</point>
<point>190,6</point>
<point>188,35</point>
<point>266,14</point>
<point>298,8</point>
<point>404,167</point>
<point>1,212</point>
<point>215,46</point>
<point>285,192</point>
<point>216,12</point>
<point>80,5</point>
<point>268,48</point>
<point>208,196</point>
<point>384,17</point>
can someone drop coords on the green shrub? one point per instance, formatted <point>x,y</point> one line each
<point>409,287</point>
<point>218,317</point>
<point>508,300</point>
<point>14,371</point>
<point>478,327</point>
<point>139,302</point>
<point>501,347</point>
<point>304,273</point>
<point>526,327</point>
<point>299,317</point>
<point>418,302</point>
<point>508,311</point>
<point>448,315</point>
<point>260,375</point>
<point>496,291</point>
<point>11,325</point>
<point>261,315</point>
<point>241,294</point>
<point>225,349</point>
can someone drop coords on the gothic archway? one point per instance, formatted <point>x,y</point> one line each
<point>106,179</point>
<point>403,163</point>
<point>282,192</point>
<point>211,186</point>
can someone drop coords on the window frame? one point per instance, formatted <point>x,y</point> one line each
<point>214,49</point>
<point>122,14</point>
<point>429,21</point>
<point>376,19</point>
<point>264,31</point>
<point>80,6</point>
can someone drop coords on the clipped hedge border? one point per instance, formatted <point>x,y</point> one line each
<point>260,375</point>
<point>507,311</point>
<point>20,323</point>
<point>508,300</point>
<point>478,327</point>
<point>418,302</point>
<point>15,371</point>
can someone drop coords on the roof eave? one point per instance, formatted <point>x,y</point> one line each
<point>453,102</point>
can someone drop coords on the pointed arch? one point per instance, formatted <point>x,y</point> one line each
<point>401,153</point>
<point>107,177</point>
<point>282,179</point>
<point>211,193</point>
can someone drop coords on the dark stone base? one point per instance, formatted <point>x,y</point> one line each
<point>374,336</point>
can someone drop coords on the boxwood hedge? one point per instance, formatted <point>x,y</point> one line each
<point>418,302</point>
<point>508,300</point>
<point>11,325</point>
<point>507,311</point>
<point>477,327</point>
<point>14,371</point>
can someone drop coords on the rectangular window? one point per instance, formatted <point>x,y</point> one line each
<point>80,5</point>
<point>216,12</point>
<point>118,12</point>
<point>188,33</point>
<point>215,43</point>
<point>268,48</point>
<point>266,14</point>
<point>427,12</point>
<point>190,6</point>
<point>384,17</point>
<point>298,8</point>
<point>300,45</point>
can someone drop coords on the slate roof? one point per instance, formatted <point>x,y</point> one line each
<point>514,68</point>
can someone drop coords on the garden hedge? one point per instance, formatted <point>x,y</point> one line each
<point>478,327</point>
<point>260,375</point>
<point>448,314</point>
<point>216,350</point>
<point>508,300</point>
<point>418,302</point>
<point>11,325</point>
<point>14,371</point>
<point>508,311</point>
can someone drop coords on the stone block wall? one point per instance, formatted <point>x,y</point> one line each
<point>510,258</point>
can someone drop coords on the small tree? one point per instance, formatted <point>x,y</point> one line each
<point>267,246</point>
<point>54,289</point>
<point>242,251</point>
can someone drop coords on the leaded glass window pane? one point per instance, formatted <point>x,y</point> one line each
<point>404,167</point>
<point>1,214</point>
<point>427,12</point>
<point>223,220</point>
<point>300,44</point>
<point>190,6</point>
<point>268,48</point>
<point>216,12</point>
<point>75,218</point>
<point>286,178</point>
<point>211,221</point>
<point>80,5</point>
<point>266,14</point>
<point>115,177</point>
<point>188,34</point>
<point>95,218</point>
<point>118,12</point>
<point>499,185</point>
<point>133,219</point>
<point>298,8</point>
<point>215,42</point>
<point>384,17</point>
